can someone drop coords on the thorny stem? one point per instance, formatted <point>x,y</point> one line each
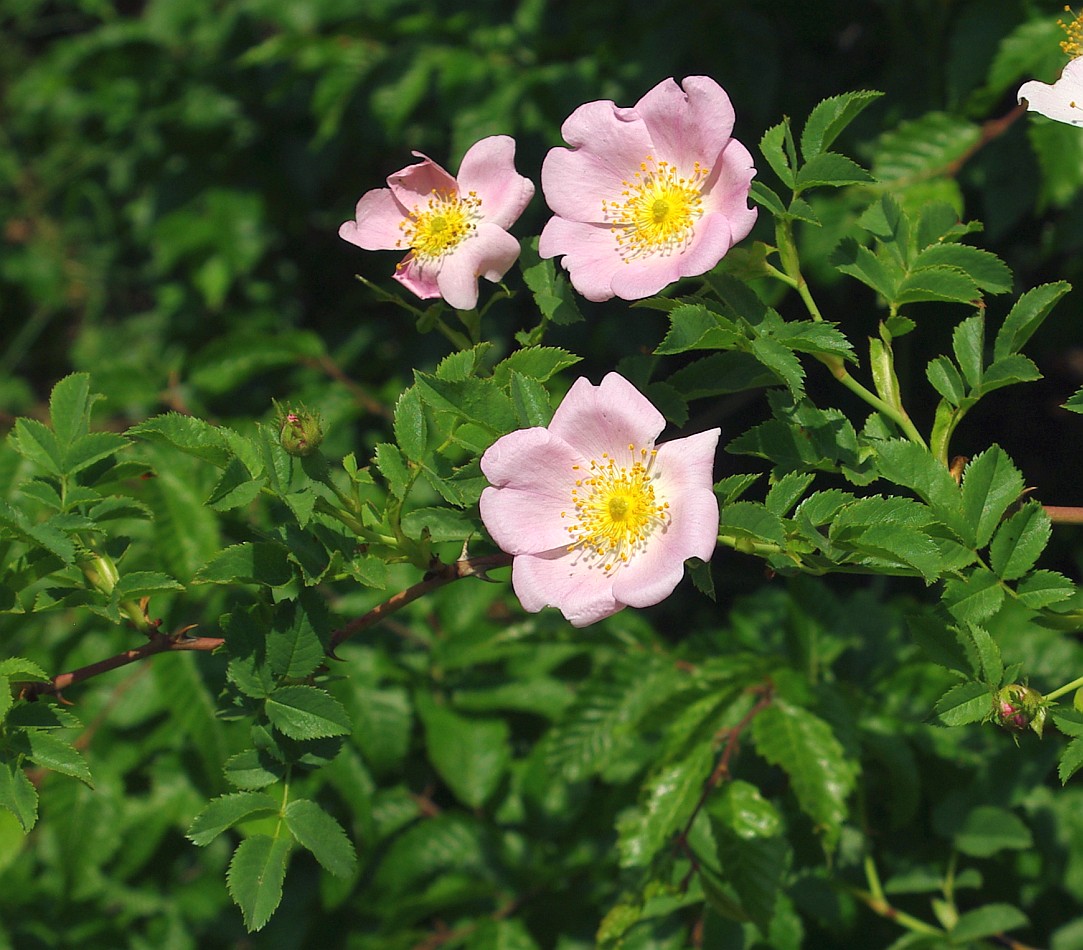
<point>176,643</point>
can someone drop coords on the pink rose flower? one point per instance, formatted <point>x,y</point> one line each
<point>1063,100</point>
<point>454,229</point>
<point>596,517</point>
<point>649,194</point>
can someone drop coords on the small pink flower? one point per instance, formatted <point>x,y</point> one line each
<point>649,194</point>
<point>454,229</point>
<point>1063,100</point>
<point>596,517</point>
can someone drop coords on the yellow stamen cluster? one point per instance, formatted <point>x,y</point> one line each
<point>446,220</point>
<point>1073,46</point>
<point>657,211</point>
<point>615,507</point>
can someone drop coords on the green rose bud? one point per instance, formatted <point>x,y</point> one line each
<point>300,432</point>
<point>1019,707</point>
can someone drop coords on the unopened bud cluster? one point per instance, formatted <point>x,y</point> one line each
<point>1019,707</point>
<point>300,431</point>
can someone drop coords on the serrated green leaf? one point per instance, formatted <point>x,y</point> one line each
<point>235,487</point>
<point>536,362</point>
<point>667,801</point>
<point>440,524</point>
<point>1028,313</point>
<point>780,359</point>
<point>975,598</point>
<point>552,293</point>
<point>920,148</point>
<point>470,754</point>
<point>902,545</point>
<point>986,270</point>
<point>965,703</point>
<point>255,877</point>
<point>37,443</point>
<point>968,343</point>
<point>91,448</point>
<point>940,643</point>
<point>139,584</point>
<point>411,428</point>
<point>991,485</point>
<point>1043,588</point>
<point>18,795</point>
<point>988,653</point>
<point>766,197</point>
<point>69,408</point>
<point>936,283</point>
<point>748,519</point>
<point>1071,760</point>
<point>694,327</point>
<point>908,464</point>
<point>830,117</point>
<point>858,261</point>
<point>294,644</point>
<point>733,487</point>
<point>389,460</point>
<point>721,373</point>
<point>251,770</point>
<point>51,752</point>
<point>1020,541</point>
<point>946,380</point>
<point>771,145</point>
<point>256,562</point>
<point>225,811</point>
<point>18,668</point>
<point>831,170</point>
<point>1008,371</point>
<point>530,400</point>
<point>480,401</point>
<point>821,775</point>
<point>741,808</point>
<point>988,829</point>
<point>755,868</point>
<point>786,492</point>
<point>318,832</point>
<point>188,434</point>
<point>306,712</point>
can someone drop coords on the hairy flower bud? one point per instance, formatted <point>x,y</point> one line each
<point>1019,707</point>
<point>300,432</point>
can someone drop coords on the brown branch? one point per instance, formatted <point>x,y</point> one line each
<point>158,643</point>
<point>440,575</point>
<point>992,129</point>
<point>1064,515</point>
<point>177,643</point>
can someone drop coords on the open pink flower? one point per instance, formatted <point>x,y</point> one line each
<point>649,194</point>
<point>1063,100</point>
<point>455,229</point>
<point>596,517</point>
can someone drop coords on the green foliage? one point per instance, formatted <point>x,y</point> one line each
<point>306,700</point>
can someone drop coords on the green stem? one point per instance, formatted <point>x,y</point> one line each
<point>792,277</point>
<point>885,909</point>
<point>1057,693</point>
<point>460,341</point>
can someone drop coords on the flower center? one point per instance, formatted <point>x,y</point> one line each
<point>445,222</point>
<point>657,211</point>
<point>616,508</point>
<point>1073,45</point>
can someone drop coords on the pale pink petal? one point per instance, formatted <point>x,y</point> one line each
<point>488,170</point>
<point>418,277</point>
<point>590,252</point>
<point>488,252</point>
<point>1063,100</point>
<point>684,470</point>
<point>583,594</point>
<point>376,223</point>
<point>606,418</point>
<point>413,184</point>
<point>689,125</point>
<point>609,144</point>
<point>726,190</point>
<point>532,474</point>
